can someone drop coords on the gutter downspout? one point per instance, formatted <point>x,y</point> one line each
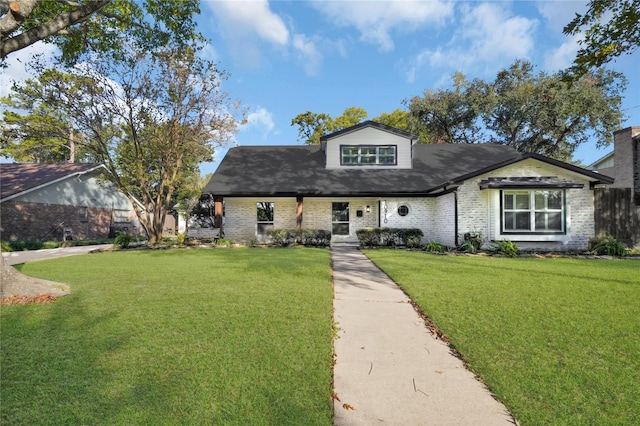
<point>455,212</point>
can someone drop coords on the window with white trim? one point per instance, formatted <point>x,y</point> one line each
<point>368,155</point>
<point>265,217</point>
<point>536,211</point>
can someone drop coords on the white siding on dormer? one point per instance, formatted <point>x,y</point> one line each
<point>373,137</point>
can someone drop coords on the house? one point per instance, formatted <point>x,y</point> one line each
<point>618,203</point>
<point>61,201</point>
<point>372,175</point>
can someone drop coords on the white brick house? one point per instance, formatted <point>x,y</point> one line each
<point>371,175</point>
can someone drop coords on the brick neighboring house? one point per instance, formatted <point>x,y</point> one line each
<point>372,175</point>
<point>61,201</point>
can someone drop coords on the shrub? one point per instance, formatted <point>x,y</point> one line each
<point>50,245</point>
<point>505,247</point>
<point>315,237</point>
<point>434,247</point>
<point>307,237</point>
<point>607,245</point>
<point>123,239</point>
<point>411,237</point>
<point>181,238</point>
<point>6,246</point>
<point>281,237</point>
<point>370,237</point>
<point>471,243</point>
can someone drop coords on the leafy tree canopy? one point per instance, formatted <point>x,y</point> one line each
<point>82,26</point>
<point>532,112</point>
<point>151,118</point>
<point>47,133</point>
<point>312,126</point>
<point>611,28</point>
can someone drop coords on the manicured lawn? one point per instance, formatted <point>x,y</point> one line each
<point>200,336</point>
<point>557,340</point>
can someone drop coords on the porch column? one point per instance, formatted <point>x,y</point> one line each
<point>299,211</point>
<point>218,212</point>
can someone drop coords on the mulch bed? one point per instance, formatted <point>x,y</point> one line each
<point>23,300</point>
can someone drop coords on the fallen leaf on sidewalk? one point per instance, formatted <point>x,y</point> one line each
<point>347,407</point>
<point>335,396</point>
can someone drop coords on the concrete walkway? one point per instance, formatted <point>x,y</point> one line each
<point>16,257</point>
<point>389,367</point>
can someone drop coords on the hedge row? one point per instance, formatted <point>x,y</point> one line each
<point>371,237</point>
<point>306,237</point>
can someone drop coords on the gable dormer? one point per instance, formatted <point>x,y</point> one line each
<point>369,145</point>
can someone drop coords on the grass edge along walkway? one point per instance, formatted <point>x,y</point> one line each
<point>199,336</point>
<point>557,340</point>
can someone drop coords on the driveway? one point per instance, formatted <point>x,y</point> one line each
<point>16,257</point>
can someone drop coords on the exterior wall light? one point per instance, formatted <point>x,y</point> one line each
<point>368,209</point>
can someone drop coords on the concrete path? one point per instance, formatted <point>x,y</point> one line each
<point>389,368</point>
<point>17,257</point>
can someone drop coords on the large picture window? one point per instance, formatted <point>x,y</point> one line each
<point>340,218</point>
<point>368,155</point>
<point>533,211</point>
<point>265,217</point>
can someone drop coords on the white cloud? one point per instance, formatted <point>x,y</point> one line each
<point>563,56</point>
<point>308,54</point>
<point>243,19</point>
<point>487,37</point>
<point>18,64</point>
<point>559,13</point>
<point>376,19</point>
<point>261,120</point>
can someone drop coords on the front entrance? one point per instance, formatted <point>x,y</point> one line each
<point>340,220</point>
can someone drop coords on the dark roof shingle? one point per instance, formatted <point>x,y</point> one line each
<point>300,170</point>
<point>16,178</point>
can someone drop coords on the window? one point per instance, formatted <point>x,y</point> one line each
<point>403,210</point>
<point>368,155</point>
<point>533,211</point>
<point>265,217</point>
<point>340,218</point>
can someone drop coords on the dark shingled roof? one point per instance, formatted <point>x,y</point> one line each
<point>17,178</point>
<point>300,170</point>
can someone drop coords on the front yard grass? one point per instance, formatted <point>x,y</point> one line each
<point>557,340</point>
<point>200,336</point>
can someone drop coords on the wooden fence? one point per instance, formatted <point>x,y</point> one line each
<point>617,214</point>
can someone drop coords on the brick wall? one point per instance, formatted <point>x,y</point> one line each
<point>34,221</point>
<point>480,210</point>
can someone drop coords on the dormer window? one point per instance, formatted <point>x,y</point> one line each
<point>368,155</point>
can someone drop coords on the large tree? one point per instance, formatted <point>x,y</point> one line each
<point>611,28</point>
<point>47,132</point>
<point>532,112</point>
<point>82,26</point>
<point>151,118</point>
<point>312,126</point>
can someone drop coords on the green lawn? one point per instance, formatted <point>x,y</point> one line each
<point>200,336</point>
<point>557,340</point>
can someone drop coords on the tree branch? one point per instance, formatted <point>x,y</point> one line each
<point>49,28</point>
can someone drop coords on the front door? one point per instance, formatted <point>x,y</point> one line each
<point>340,221</point>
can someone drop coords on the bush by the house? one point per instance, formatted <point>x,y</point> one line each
<point>306,237</point>
<point>372,237</point>
<point>434,247</point>
<point>506,247</point>
<point>123,239</point>
<point>368,237</point>
<point>607,245</point>
<point>471,243</point>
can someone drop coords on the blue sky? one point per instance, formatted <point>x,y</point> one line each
<point>287,57</point>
